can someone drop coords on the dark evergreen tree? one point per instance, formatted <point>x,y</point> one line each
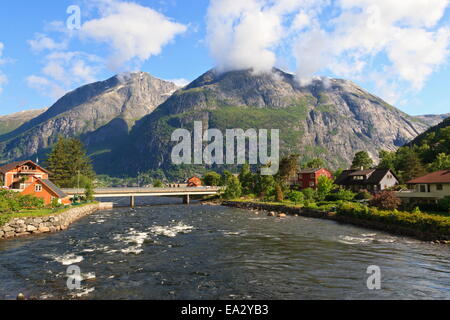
<point>362,160</point>
<point>68,160</point>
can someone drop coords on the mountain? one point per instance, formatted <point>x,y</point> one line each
<point>328,118</point>
<point>433,119</point>
<point>435,137</point>
<point>100,113</point>
<point>11,122</point>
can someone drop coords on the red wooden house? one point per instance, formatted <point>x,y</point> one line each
<point>309,178</point>
<point>194,182</point>
<point>28,177</point>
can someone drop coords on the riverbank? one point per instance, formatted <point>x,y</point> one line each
<point>438,231</point>
<point>35,224</point>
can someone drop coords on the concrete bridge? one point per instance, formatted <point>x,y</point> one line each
<point>186,193</point>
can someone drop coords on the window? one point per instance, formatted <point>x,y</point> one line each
<point>38,188</point>
<point>313,176</point>
<point>423,188</point>
<point>358,178</point>
<point>440,187</point>
<point>312,184</point>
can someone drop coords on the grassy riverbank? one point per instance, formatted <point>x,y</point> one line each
<point>424,226</point>
<point>38,213</point>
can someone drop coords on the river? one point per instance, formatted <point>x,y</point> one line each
<point>208,252</point>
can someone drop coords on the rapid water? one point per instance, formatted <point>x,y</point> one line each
<point>205,252</point>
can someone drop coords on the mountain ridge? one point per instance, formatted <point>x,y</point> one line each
<point>330,118</point>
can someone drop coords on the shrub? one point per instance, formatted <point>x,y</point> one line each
<point>364,195</point>
<point>419,221</point>
<point>341,195</point>
<point>296,197</point>
<point>233,189</point>
<point>310,194</point>
<point>30,202</point>
<point>386,200</point>
<point>279,193</point>
<point>55,203</point>
<point>212,179</point>
<point>444,204</point>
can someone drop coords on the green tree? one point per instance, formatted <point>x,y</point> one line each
<point>226,178</point>
<point>158,183</point>
<point>362,160</point>
<point>409,165</point>
<point>68,159</point>
<point>288,167</point>
<point>247,179</point>
<point>310,194</point>
<point>324,187</point>
<point>315,164</point>
<point>89,192</point>
<point>442,162</point>
<point>212,179</point>
<point>387,160</point>
<point>233,189</point>
<point>296,197</point>
<point>279,193</point>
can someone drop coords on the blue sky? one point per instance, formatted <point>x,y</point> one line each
<point>399,53</point>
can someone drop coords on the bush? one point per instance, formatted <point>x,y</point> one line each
<point>310,194</point>
<point>386,200</point>
<point>444,204</point>
<point>212,179</point>
<point>364,195</point>
<point>341,195</point>
<point>233,189</point>
<point>416,220</point>
<point>296,197</point>
<point>31,202</point>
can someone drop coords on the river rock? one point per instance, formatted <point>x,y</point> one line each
<point>271,214</point>
<point>31,228</point>
<point>282,215</point>
<point>44,229</point>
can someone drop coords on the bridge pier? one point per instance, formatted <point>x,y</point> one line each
<point>132,202</point>
<point>187,199</point>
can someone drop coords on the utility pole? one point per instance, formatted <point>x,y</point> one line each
<point>78,182</point>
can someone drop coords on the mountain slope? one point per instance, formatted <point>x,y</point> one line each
<point>124,98</point>
<point>331,119</point>
<point>433,119</point>
<point>11,122</point>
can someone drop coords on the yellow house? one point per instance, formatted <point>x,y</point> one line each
<point>429,188</point>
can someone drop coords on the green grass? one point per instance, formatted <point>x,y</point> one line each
<point>36,213</point>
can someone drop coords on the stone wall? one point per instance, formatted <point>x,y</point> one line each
<point>20,227</point>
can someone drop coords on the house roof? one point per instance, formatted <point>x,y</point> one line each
<point>13,165</point>
<point>53,188</point>
<point>309,171</point>
<point>442,176</point>
<point>361,172</point>
<point>375,177</point>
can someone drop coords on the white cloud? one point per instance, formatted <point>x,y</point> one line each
<point>404,32</point>
<point>243,34</point>
<point>64,70</point>
<point>347,38</point>
<point>43,42</point>
<point>46,86</point>
<point>134,32</point>
<point>180,82</point>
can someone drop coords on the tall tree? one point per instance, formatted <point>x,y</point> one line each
<point>247,179</point>
<point>315,164</point>
<point>67,160</point>
<point>362,160</point>
<point>288,167</point>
